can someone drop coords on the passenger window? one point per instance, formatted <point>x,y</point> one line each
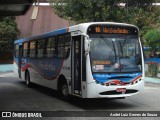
<point>25,49</point>
<point>67,46</point>
<point>40,47</point>
<point>64,46</point>
<point>49,47</point>
<point>32,49</point>
<point>16,50</point>
<point>61,43</point>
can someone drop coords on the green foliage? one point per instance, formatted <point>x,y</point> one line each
<point>138,12</point>
<point>152,38</point>
<point>152,69</point>
<point>81,10</point>
<point>8,33</point>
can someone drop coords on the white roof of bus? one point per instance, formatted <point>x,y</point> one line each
<point>83,26</point>
<point>79,27</point>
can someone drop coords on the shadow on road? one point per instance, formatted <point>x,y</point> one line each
<point>86,104</point>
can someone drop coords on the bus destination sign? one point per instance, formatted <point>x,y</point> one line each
<point>104,29</point>
<point>111,30</point>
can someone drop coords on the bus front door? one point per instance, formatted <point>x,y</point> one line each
<point>20,60</point>
<point>76,65</point>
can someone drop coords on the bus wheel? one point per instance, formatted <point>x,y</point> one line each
<point>65,91</point>
<point>28,83</point>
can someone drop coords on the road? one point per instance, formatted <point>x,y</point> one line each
<point>16,96</point>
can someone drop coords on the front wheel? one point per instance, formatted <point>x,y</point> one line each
<point>65,91</point>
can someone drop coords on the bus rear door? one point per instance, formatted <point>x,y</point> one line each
<point>20,60</point>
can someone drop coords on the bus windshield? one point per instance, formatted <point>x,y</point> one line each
<point>115,53</point>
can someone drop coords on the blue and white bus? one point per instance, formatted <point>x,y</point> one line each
<point>88,60</point>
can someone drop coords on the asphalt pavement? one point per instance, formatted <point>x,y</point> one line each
<point>16,96</point>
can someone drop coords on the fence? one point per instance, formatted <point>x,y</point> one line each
<point>152,67</point>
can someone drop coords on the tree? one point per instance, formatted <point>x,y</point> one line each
<point>152,38</point>
<point>81,10</point>
<point>8,33</point>
<point>138,12</point>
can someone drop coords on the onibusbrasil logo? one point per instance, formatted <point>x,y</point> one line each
<point>21,114</point>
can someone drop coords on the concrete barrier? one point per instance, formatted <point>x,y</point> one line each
<point>6,67</point>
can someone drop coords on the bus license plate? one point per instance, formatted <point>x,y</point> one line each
<point>123,90</point>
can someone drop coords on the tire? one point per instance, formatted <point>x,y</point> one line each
<point>64,91</point>
<point>28,83</point>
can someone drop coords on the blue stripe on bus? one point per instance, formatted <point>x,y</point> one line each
<point>124,77</point>
<point>46,35</point>
<point>48,68</point>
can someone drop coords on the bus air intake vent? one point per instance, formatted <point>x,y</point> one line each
<point>114,92</point>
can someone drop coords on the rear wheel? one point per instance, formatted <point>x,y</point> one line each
<point>28,83</point>
<point>64,91</point>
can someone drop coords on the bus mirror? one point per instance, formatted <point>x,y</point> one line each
<point>85,35</point>
<point>87,46</point>
<point>87,43</point>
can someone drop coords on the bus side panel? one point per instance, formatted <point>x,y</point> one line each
<point>66,72</point>
<point>17,59</point>
<point>50,78</point>
<point>44,71</point>
<point>47,83</point>
<point>32,74</point>
<point>23,75</point>
<point>28,64</point>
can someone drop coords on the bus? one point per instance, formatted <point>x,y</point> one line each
<point>88,60</point>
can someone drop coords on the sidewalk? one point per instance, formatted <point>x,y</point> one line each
<point>152,80</point>
<point>7,74</point>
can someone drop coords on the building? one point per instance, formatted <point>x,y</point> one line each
<point>39,19</point>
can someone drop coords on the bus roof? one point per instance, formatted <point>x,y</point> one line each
<point>48,34</point>
<point>81,26</point>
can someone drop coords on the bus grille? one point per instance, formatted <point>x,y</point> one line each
<point>114,92</point>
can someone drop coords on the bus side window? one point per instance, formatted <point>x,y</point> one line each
<point>67,46</point>
<point>25,49</point>
<point>50,47</point>
<point>16,50</point>
<point>60,46</point>
<point>32,49</point>
<point>63,46</point>
<point>40,47</point>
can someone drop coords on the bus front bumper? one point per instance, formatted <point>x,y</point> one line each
<point>95,90</point>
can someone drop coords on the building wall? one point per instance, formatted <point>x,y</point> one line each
<point>46,21</point>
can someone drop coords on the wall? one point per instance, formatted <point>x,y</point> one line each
<point>46,21</point>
